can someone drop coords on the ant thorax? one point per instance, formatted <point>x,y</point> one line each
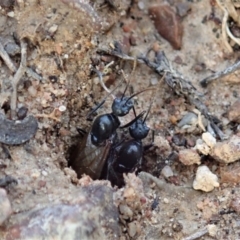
<point>139,130</point>
<point>122,106</point>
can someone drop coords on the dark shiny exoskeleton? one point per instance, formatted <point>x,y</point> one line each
<point>91,153</point>
<point>127,156</point>
<point>104,126</point>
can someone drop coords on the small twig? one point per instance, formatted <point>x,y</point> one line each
<point>220,74</point>
<point>4,55</point>
<point>197,234</point>
<point>18,75</point>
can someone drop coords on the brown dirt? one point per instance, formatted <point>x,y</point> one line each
<point>163,209</point>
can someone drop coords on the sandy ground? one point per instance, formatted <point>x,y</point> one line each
<point>49,202</point>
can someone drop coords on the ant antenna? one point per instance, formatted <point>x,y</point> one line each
<point>127,85</point>
<point>135,94</point>
<point>103,101</point>
<point>134,111</point>
<point>128,81</point>
<point>134,120</point>
<point>151,103</point>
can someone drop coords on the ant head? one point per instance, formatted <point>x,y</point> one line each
<point>122,106</point>
<point>139,130</point>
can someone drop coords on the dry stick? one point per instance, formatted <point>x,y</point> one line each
<point>174,79</point>
<point>18,75</point>
<point>4,55</point>
<point>220,74</point>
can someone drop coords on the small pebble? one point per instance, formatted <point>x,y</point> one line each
<point>202,147</point>
<point>189,157</point>
<point>126,211</point>
<point>132,229</point>
<point>141,5</point>
<point>235,204</point>
<point>227,151</point>
<point>165,200</point>
<point>5,206</point>
<point>12,48</point>
<point>44,173</point>
<point>234,112</point>
<point>209,139</point>
<point>22,112</point>
<point>167,24</point>
<point>53,29</point>
<point>188,119</point>
<point>32,91</point>
<point>154,81</point>
<point>62,108</point>
<point>35,174</point>
<point>11,14</point>
<point>212,230</point>
<point>205,180</point>
<point>167,172</point>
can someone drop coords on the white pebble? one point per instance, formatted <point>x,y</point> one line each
<point>141,5</point>
<point>167,171</point>
<point>11,14</point>
<point>32,91</point>
<point>35,174</point>
<point>154,80</point>
<point>209,139</point>
<point>44,173</point>
<point>203,148</point>
<point>205,180</point>
<point>212,230</point>
<point>62,108</point>
<point>53,28</point>
<point>165,200</point>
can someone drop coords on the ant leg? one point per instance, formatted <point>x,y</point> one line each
<point>148,146</point>
<point>81,132</point>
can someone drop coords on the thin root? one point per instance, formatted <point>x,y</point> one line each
<point>18,75</point>
<point>229,10</point>
<point>197,234</point>
<point>4,55</point>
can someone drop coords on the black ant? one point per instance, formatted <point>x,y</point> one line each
<point>127,156</point>
<point>91,153</point>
